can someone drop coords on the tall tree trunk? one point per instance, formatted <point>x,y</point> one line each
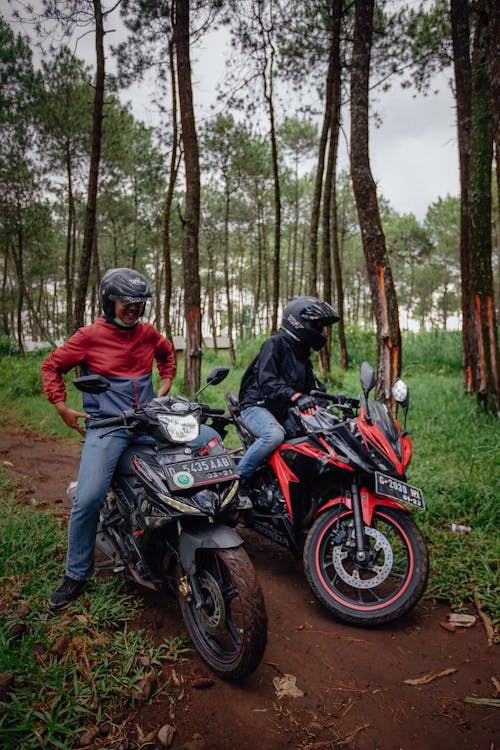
<point>68,256</point>
<point>267,78</point>
<point>191,220</point>
<point>494,22</point>
<point>487,355</point>
<point>459,14</point>
<point>95,157</point>
<point>384,300</point>
<point>227,279</point>
<point>329,202</point>
<point>17,254</point>
<point>167,207</point>
<point>312,282</point>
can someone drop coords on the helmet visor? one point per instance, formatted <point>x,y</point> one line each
<point>128,300</point>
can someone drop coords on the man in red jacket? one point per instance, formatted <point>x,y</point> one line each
<point>122,348</point>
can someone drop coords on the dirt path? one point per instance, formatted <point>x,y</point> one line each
<point>352,681</point>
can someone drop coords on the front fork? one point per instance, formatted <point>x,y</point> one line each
<point>359,525</point>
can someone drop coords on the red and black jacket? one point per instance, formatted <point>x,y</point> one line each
<point>123,355</point>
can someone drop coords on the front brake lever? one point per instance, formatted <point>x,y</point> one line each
<point>130,427</point>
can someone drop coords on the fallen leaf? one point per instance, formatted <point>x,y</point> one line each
<point>430,677</point>
<point>490,631</point>
<point>484,701</point>
<point>88,737</point>
<point>286,686</point>
<point>17,629</point>
<point>461,621</point>
<point>496,684</point>
<point>145,686</point>
<point>60,645</point>
<point>166,735</point>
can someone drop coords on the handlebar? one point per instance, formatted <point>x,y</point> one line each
<point>338,399</point>
<point>108,422</point>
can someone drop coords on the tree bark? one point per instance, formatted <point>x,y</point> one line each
<point>312,282</point>
<point>459,14</point>
<point>383,293</point>
<point>191,219</point>
<point>227,280</point>
<point>267,80</point>
<point>487,356</point>
<point>68,257</point>
<point>329,194</point>
<point>167,207</point>
<point>95,157</point>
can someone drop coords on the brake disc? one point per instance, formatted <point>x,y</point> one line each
<point>212,615</point>
<point>380,572</point>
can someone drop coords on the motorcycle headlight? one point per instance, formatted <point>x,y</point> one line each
<point>179,428</point>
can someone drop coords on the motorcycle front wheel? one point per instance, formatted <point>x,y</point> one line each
<point>229,630</point>
<point>386,585</point>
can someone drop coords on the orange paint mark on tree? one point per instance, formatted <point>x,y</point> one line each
<point>481,363</point>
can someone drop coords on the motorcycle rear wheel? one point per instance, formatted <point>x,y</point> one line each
<point>380,591</point>
<point>230,629</point>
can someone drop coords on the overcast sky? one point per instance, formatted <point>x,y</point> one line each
<point>413,153</point>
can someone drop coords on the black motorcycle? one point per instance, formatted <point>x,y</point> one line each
<point>161,524</point>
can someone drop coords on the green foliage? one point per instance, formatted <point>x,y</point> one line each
<point>436,350</point>
<point>21,376</point>
<point>7,347</point>
<point>457,463</point>
<point>68,672</point>
<point>361,344</point>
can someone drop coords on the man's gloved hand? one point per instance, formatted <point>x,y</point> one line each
<point>306,403</point>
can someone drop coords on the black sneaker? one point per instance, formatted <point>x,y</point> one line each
<point>65,594</point>
<point>243,502</point>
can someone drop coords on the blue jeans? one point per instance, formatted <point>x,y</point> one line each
<point>99,459</point>
<point>269,434</point>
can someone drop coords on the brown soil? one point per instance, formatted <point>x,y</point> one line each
<point>353,680</point>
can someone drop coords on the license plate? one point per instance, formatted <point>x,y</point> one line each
<point>200,471</point>
<point>398,490</point>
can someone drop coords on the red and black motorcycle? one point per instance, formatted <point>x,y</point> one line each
<point>336,493</point>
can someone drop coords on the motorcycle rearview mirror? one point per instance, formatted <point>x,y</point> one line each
<point>400,392</point>
<point>96,384</point>
<point>214,377</point>
<point>92,384</point>
<point>367,378</point>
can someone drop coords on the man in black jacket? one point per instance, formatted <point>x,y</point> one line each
<point>282,376</point>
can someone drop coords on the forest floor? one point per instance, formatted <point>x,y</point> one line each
<point>351,685</point>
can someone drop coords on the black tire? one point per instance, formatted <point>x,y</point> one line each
<point>230,630</point>
<point>387,586</point>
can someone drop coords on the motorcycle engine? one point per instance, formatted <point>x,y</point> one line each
<point>267,495</point>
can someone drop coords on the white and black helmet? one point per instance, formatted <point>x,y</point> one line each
<point>124,285</point>
<point>305,317</point>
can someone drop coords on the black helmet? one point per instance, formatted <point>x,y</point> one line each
<point>305,318</point>
<point>123,284</point>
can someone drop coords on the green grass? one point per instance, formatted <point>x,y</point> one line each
<point>56,693</point>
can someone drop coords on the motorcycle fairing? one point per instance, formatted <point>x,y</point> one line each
<point>369,502</point>
<point>383,434</point>
<point>284,475</point>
